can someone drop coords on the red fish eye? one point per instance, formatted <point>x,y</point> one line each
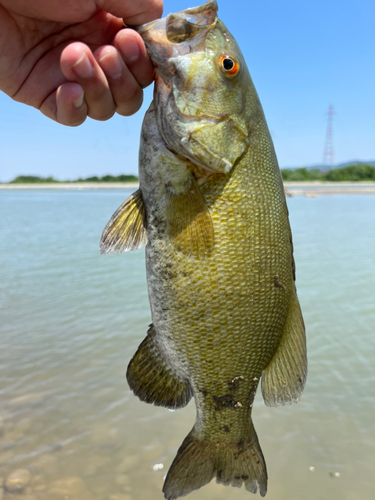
<point>228,65</point>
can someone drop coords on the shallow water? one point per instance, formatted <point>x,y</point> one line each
<point>70,320</point>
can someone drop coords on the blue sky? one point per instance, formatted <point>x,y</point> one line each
<point>302,56</point>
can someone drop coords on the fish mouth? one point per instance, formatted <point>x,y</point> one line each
<point>178,34</point>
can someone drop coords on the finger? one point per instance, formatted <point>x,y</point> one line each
<point>79,65</point>
<point>133,51</point>
<point>66,105</point>
<point>71,106</point>
<point>126,91</point>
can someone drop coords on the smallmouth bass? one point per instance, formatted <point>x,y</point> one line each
<point>212,214</point>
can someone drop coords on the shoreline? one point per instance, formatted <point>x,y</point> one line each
<point>72,185</point>
<point>307,189</point>
<point>314,189</point>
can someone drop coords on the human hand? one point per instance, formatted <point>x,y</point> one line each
<point>71,59</point>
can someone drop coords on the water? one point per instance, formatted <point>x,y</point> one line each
<point>70,320</point>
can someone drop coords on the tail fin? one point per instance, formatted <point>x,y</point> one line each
<point>197,462</point>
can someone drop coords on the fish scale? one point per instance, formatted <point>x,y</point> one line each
<point>226,332</point>
<point>219,254</point>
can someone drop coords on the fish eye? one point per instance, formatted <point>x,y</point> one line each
<point>229,65</point>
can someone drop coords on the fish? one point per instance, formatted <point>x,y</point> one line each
<point>211,213</point>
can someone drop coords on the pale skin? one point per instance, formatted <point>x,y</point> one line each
<point>72,58</point>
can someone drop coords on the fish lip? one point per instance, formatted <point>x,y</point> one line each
<point>177,34</point>
<point>141,28</point>
<point>211,5</point>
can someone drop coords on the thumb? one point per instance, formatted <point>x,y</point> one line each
<point>133,12</point>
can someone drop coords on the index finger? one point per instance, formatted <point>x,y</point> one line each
<point>133,12</point>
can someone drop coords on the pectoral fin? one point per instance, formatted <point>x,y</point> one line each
<point>125,231</point>
<point>284,378</point>
<point>189,222</point>
<point>153,380</point>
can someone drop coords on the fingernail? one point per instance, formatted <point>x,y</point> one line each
<point>78,102</point>
<point>111,64</point>
<point>129,48</point>
<point>83,67</point>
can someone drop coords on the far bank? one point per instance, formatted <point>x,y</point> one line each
<point>309,189</point>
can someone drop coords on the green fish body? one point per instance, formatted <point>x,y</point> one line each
<point>211,211</point>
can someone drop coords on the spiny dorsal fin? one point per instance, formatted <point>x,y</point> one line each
<point>189,222</point>
<point>126,230</point>
<point>153,381</point>
<point>284,378</point>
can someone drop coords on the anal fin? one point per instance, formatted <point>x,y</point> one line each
<point>189,222</point>
<point>126,229</point>
<point>284,378</point>
<point>153,381</point>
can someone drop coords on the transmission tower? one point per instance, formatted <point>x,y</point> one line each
<point>328,154</point>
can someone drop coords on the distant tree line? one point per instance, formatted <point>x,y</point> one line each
<point>29,179</point>
<point>351,173</point>
<point>109,178</point>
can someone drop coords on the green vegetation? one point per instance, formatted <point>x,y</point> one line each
<point>109,178</point>
<point>302,174</point>
<point>351,173</point>
<point>30,179</point>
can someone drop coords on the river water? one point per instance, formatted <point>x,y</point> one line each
<point>70,320</point>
